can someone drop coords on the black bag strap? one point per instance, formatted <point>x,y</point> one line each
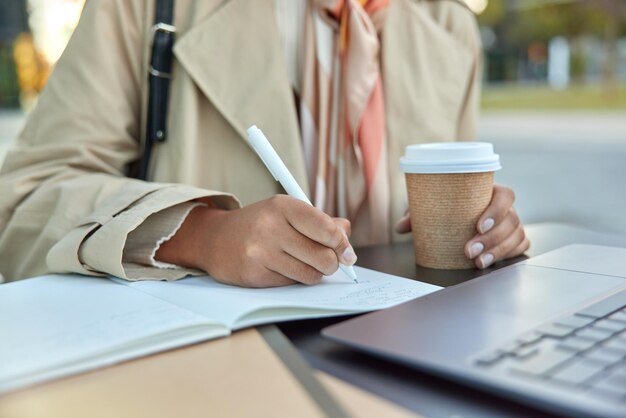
<point>159,76</point>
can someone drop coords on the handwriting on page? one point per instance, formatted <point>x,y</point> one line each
<point>375,290</point>
<point>226,303</point>
<point>376,295</point>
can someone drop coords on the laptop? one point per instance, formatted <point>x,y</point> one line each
<point>549,331</point>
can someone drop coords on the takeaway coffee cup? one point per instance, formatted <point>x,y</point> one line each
<point>449,186</point>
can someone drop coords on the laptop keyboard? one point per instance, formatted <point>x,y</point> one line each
<point>584,352</point>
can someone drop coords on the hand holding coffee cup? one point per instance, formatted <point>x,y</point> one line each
<point>459,218</point>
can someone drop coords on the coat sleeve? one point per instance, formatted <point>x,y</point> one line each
<point>63,190</point>
<point>143,243</point>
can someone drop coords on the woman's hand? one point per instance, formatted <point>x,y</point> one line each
<point>500,232</point>
<point>275,242</point>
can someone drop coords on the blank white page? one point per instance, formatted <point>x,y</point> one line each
<point>57,325</point>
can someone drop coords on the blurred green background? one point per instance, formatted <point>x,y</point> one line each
<point>554,54</point>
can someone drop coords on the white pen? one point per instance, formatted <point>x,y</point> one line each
<point>279,170</point>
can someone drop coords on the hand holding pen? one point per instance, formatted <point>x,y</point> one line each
<point>274,242</point>
<point>275,165</point>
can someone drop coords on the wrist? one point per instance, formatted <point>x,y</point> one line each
<point>184,248</point>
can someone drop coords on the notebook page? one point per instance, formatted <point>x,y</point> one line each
<point>53,323</point>
<point>337,294</point>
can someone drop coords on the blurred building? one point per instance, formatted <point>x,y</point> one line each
<point>555,42</point>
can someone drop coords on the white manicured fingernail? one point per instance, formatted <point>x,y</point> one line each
<point>348,256</point>
<point>486,260</point>
<point>475,249</point>
<point>487,225</point>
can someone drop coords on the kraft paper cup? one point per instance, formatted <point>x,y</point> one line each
<point>449,187</point>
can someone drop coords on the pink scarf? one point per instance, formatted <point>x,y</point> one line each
<point>342,112</point>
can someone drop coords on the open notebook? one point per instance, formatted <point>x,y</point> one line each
<point>54,326</point>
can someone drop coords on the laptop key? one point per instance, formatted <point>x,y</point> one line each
<point>529,338</point>
<point>489,359</point>
<point>604,355</point>
<point>619,370</point>
<point>542,362</point>
<point>608,394</point>
<point>605,306</point>
<point>578,372</point>
<point>509,348</point>
<point>576,344</point>
<point>611,384</point>
<point>554,331</point>
<point>610,325</point>
<point>618,379</point>
<point>594,334</point>
<point>525,352</point>
<point>574,321</point>
<point>616,344</point>
<point>619,316</point>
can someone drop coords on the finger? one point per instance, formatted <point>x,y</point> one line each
<point>501,250</point>
<point>265,277</point>
<point>520,249</point>
<point>403,225</point>
<point>257,276</point>
<point>295,269</point>
<point>316,225</point>
<point>484,242</point>
<point>319,257</point>
<point>344,224</point>
<point>501,201</point>
<point>347,254</point>
<point>268,266</point>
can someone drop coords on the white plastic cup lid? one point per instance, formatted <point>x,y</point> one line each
<point>450,157</point>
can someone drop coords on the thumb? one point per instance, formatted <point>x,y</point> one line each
<point>345,252</point>
<point>403,225</point>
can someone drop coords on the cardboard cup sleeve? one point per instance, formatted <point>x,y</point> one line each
<point>444,211</point>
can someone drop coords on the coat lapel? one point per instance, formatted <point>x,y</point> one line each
<point>235,58</point>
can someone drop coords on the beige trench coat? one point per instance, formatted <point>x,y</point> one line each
<point>63,186</point>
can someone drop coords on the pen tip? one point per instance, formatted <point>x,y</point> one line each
<point>349,271</point>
